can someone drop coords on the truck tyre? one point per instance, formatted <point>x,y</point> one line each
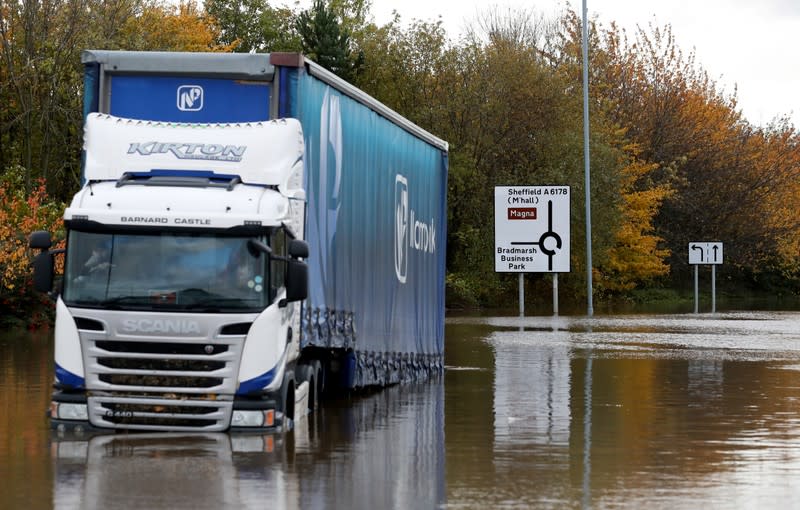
<point>287,402</point>
<point>319,384</point>
<point>310,373</point>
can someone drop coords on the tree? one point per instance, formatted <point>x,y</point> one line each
<point>729,176</point>
<point>325,41</point>
<point>22,211</point>
<point>172,28</point>
<point>253,26</point>
<point>637,256</point>
<point>239,22</point>
<point>510,119</point>
<point>40,45</point>
<point>278,30</point>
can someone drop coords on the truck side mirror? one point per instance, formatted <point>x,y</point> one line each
<point>43,263</point>
<point>40,240</point>
<point>298,249</point>
<point>296,280</point>
<point>43,272</point>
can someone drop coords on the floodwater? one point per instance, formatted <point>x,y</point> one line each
<point>656,411</point>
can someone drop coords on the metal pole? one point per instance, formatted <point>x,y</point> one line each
<point>555,294</point>
<point>695,289</point>
<point>590,307</point>
<point>713,288</point>
<point>521,295</point>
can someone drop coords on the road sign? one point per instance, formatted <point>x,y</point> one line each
<point>531,229</point>
<point>705,253</point>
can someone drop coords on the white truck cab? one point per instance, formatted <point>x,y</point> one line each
<point>180,302</point>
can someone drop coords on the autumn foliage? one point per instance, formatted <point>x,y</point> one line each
<point>733,181</point>
<point>21,213</point>
<point>673,160</point>
<point>163,27</point>
<point>638,255</point>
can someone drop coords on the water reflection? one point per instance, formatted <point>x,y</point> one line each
<point>705,378</point>
<point>392,441</point>
<point>659,411</point>
<point>532,409</point>
<point>160,471</point>
<point>25,379</point>
<point>639,411</point>
<point>383,451</point>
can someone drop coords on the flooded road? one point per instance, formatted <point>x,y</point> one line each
<point>656,411</point>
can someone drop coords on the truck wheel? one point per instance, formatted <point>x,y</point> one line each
<point>319,383</point>
<point>287,403</point>
<point>310,373</point>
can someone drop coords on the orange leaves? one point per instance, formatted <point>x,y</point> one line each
<point>733,181</point>
<point>168,28</point>
<point>636,256</point>
<point>21,214</point>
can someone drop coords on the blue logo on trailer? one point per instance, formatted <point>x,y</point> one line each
<point>401,227</point>
<point>173,99</point>
<point>190,98</point>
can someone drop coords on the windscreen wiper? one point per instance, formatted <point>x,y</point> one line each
<point>217,303</point>
<point>129,300</point>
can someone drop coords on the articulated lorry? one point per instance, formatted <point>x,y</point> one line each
<point>252,232</point>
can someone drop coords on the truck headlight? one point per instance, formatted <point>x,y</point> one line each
<point>253,418</point>
<point>68,411</point>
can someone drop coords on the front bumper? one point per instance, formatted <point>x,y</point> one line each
<point>70,412</point>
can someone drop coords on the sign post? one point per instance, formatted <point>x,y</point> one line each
<point>705,253</point>
<point>532,232</point>
<point>555,294</point>
<point>696,289</point>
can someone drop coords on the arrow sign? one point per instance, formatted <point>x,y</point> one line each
<point>699,250</point>
<point>705,253</point>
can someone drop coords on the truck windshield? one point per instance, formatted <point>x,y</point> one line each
<point>191,272</point>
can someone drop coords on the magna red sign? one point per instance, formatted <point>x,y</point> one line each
<point>521,213</point>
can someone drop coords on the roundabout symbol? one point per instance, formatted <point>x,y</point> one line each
<point>549,234</point>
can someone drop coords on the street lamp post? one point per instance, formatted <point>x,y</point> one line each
<point>590,308</point>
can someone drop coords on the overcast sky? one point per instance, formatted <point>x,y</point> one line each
<point>751,44</point>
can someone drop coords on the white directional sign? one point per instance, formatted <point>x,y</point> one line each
<point>531,229</point>
<point>705,253</point>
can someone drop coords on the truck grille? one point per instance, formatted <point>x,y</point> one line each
<point>160,381</point>
<point>167,385</point>
<point>160,347</point>
<point>153,413</point>
<point>159,364</point>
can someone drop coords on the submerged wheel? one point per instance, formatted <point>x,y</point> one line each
<point>318,385</point>
<point>311,373</point>
<point>287,402</point>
